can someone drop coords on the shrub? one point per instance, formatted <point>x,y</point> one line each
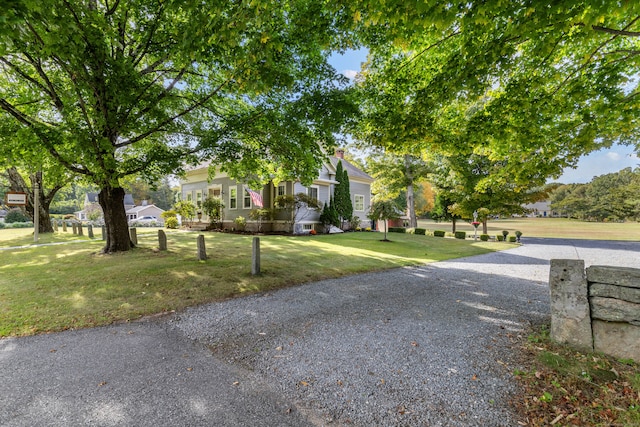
<point>512,239</point>
<point>518,235</point>
<point>505,233</point>
<point>460,235</point>
<point>1,225</point>
<point>240,223</point>
<point>169,214</point>
<point>15,215</point>
<point>420,231</point>
<point>484,237</point>
<point>20,225</point>
<point>439,233</point>
<point>499,237</point>
<point>397,230</point>
<point>171,222</point>
<point>354,223</point>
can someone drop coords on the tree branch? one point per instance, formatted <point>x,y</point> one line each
<point>173,118</point>
<point>623,32</point>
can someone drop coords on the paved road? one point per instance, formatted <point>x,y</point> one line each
<point>452,320</point>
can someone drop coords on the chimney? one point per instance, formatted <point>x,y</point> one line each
<point>144,203</point>
<point>340,153</point>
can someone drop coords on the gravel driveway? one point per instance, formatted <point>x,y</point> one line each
<point>430,345</point>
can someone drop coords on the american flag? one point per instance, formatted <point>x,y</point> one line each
<point>256,198</point>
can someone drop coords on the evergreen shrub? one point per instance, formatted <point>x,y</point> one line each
<point>420,231</point>
<point>439,233</point>
<point>460,235</point>
<point>484,237</point>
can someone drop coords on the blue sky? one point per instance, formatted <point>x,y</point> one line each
<point>597,163</point>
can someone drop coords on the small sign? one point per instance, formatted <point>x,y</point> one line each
<point>16,199</point>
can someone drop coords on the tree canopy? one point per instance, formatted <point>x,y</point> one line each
<point>111,89</point>
<point>529,85</point>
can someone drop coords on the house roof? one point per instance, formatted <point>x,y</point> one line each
<point>140,208</point>
<point>93,198</point>
<point>352,171</point>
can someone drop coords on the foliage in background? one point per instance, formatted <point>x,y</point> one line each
<point>609,197</point>
<point>384,210</point>
<point>213,207</point>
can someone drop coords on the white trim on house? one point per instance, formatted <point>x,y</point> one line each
<point>235,199</point>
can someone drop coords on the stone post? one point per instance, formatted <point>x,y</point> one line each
<point>104,233</point>
<point>80,232</point>
<point>64,226</point>
<point>74,226</point>
<point>162,240</point>
<point>570,312</point>
<point>55,225</point>
<point>133,235</point>
<point>90,231</point>
<point>255,257</point>
<point>202,252</point>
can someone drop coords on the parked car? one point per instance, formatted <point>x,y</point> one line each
<point>146,220</point>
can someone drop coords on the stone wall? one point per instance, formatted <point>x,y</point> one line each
<point>597,309</point>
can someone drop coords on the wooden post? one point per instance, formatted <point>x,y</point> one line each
<point>255,257</point>
<point>80,232</point>
<point>55,225</point>
<point>64,226</point>
<point>162,240</point>
<point>133,235</point>
<point>90,231</point>
<point>202,252</point>
<point>104,233</point>
<point>74,226</point>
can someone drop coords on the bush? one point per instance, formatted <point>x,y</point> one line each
<point>1,225</point>
<point>420,231</point>
<point>15,215</point>
<point>439,233</point>
<point>512,239</point>
<point>171,222</point>
<point>460,235</point>
<point>240,223</point>
<point>499,237</point>
<point>484,237</point>
<point>169,214</point>
<point>505,233</point>
<point>19,225</point>
<point>397,230</point>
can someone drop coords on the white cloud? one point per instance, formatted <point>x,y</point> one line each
<point>612,155</point>
<point>350,74</point>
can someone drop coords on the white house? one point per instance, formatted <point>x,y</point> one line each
<point>196,186</point>
<point>133,212</point>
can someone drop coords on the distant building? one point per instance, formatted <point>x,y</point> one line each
<point>540,210</point>
<point>133,212</point>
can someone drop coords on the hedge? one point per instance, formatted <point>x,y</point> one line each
<point>461,235</point>
<point>484,237</point>
<point>397,230</point>
<point>420,231</point>
<point>438,233</point>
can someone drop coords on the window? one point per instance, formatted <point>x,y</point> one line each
<point>189,197</point>
<point>282,189</point>
<point>313,192</point>
<point>246,203</point>
<point>199,199</point>
<point>358,202</point>
<point>233,197</point>
<point>307,227</point>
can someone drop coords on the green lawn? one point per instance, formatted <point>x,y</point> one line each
<point>52,288</point>
<point>550,227</point>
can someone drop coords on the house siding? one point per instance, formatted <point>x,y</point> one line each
<point>197,181</point>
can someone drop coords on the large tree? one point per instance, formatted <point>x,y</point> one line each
<point>395,175</point>
<point>112,89</point>
<point>533,86</point>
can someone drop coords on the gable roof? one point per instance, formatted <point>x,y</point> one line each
<point>352,171</point>
<point>93,198</point>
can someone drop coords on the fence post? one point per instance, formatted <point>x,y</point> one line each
<point>570,312</point>
<point>133,235</point>
<point>202,251</point>
<point>74,226</point>
<point>162,240</point>
<point>80,232</point>
<point>90,231</point>
<point>104,233</point>
<point>255,257</point>
<point>64,226</point>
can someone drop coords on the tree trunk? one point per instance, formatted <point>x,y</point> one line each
<point>453,225</point>
<point>115,220</point>
<point>411,205</point>
<point>484,226</point>
<point>17,183</point>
